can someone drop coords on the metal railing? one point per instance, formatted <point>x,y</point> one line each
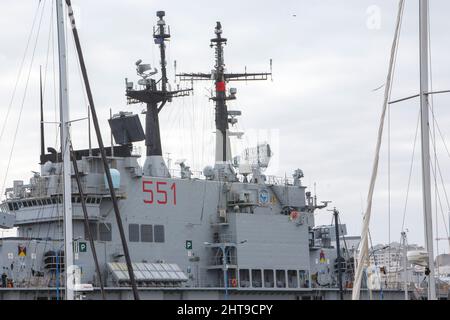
<point>223,238</point>
<point>279,180</point>
<point>176,173</point>
<point>218,261</point>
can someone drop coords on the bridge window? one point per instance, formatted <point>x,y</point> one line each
<point>244,278</point>
<point>268,279</point>
<point>256,278</point>
<point>281,278</point>
<point>292,279</point>
<point>304,278</point>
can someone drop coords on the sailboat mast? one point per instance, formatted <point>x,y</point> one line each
<point>425,131</point>
<point>405,265</point>
<point>65,151</point>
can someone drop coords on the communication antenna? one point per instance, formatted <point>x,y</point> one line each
<point>220,78</point>
<point>155,94</point>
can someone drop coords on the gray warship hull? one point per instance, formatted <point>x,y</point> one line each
<point>228,233</point>
<point>170,221</point>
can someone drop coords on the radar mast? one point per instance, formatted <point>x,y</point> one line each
<point>223,117</point>
<point>155,94</point>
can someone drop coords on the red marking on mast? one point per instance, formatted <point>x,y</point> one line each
<point>220,86</point>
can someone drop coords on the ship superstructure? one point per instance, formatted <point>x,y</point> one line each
<point>232,231</point>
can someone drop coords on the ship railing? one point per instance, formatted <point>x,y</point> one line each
<point>270,179</point>
<point>279,180</point>
<point>136,151</point>
<point>218,261</point>
<point>177,173</point>
<point>57,189</point>
<point>224,238</point>
<point>101,188</point>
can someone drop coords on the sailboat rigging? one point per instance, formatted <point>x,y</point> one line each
<point>425,153</point>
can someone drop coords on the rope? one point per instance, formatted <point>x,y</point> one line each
<point>434,170</point>
<point>363,248</point>
<point>389,181</point>
<point>5,121</point>
<point>410,172</point>
<point>23,102</point>
<point>446,196</point>
<point>50,31</point>
<point>433,137</point>
<point>37,264</point>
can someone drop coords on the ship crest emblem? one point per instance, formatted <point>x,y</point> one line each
<point>322,257</point>
<point>263,196</point>
<point>22,250</point>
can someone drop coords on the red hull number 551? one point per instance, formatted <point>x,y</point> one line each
<point>159,192</point>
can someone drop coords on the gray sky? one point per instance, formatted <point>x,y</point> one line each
<point>320,113</point>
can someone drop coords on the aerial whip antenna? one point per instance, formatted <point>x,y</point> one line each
<point>42,116</point>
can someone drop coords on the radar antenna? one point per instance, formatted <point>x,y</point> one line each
<point>223,117</point>
<point>152,93</point>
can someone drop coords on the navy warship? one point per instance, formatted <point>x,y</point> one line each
<point>96,224</point>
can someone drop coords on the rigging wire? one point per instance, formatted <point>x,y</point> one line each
<point>192,132</point>
<point>80,76</point>
<point>364,242</point>
<point>410,174</point>
<point>389,175</point>
<point>434,170</point>
<point>408,188</point>
<point>20,70</point>
<point>433,133</point>
<point>23,101</point>
<point>44,87</point>
<point>389,137</point>
<point>41,209</point>
<point>56,212</point>
<point>446,196</point>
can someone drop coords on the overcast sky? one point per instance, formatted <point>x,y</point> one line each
<point>320,112</point>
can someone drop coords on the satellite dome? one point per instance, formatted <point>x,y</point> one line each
<point>208,172</point>
<point>115,176</point>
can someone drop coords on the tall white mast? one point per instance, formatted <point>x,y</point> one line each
<point>425,128</point>
<point>405,265</point>
<point>65,151</point>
